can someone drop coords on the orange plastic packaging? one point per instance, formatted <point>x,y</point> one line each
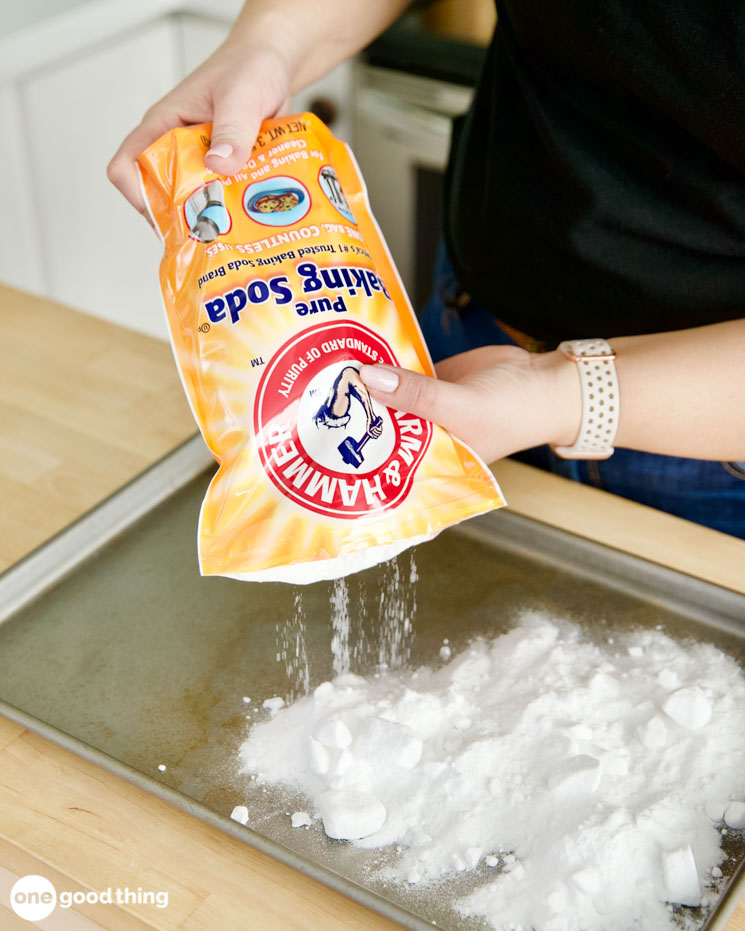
<point>278,286</point>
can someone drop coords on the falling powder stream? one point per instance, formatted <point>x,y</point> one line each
<point>379,629</point>
<point>397,611</point>
<point>371,624</point>
<point>292,649</point>
<point>341,624</point>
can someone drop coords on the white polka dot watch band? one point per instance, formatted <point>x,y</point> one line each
<point>597,375</point>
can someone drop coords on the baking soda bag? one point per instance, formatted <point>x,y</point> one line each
<point>278,287</point>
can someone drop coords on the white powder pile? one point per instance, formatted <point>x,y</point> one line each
<point>585,784</point>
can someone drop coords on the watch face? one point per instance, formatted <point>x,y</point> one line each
<point>577,349</point>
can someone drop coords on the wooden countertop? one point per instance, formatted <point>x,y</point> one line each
<point>86,406</point>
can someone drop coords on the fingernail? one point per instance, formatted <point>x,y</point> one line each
<point>378,378</point>
<point>223,150</point>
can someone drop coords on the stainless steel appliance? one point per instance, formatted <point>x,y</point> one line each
<point>401,141</point>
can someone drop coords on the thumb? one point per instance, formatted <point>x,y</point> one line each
<point>235,125</point>
<point>442,402</point>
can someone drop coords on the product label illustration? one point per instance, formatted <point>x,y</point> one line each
<point>335,413</point>
<point>277,201</point>
<point>323,441</point>
<point>329,183</point>
<point>206,214</point>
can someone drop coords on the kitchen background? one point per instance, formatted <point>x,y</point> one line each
<point>77,75</point>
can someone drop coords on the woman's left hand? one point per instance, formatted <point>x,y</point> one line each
<point>497,399</point>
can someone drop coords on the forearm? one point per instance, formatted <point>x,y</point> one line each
<point>312,36</point>
<point>681,393</point>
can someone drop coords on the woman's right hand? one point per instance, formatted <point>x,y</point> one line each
<point>275,48</point>
<point>234,89</point>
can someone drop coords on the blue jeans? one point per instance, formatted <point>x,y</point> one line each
<point>707,492</point>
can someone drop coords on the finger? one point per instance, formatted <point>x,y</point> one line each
<point>121,170</point>
<point>440,401</point>
<point>235,126</point>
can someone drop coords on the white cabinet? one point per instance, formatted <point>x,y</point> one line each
<point>95,252</point>
<point>199,38</point>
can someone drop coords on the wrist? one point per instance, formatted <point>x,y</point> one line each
<point>561,397</point>
<point>263,29</point>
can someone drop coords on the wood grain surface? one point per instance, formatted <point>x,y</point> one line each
<point>86,406</point>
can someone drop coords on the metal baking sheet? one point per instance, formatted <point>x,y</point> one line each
<point>113,646</point>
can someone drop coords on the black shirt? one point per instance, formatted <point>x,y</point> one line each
<point>597,185</point>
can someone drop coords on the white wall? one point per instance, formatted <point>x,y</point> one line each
<point>15,15</point>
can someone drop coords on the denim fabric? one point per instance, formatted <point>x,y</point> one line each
<point>709,493</point>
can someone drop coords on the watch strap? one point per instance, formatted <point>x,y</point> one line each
<point>596,367</point>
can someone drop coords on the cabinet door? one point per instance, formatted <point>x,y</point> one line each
<point>98,254</point>
<point>199,38</point>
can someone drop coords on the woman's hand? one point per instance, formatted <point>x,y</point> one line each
<point>497,399</point>
<point>235,89</point>
<point>275,48</point>
<point>680,395</point>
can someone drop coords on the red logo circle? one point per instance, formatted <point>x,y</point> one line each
<point>322,440</point>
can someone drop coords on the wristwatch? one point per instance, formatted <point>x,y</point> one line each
<point>596,367</point>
